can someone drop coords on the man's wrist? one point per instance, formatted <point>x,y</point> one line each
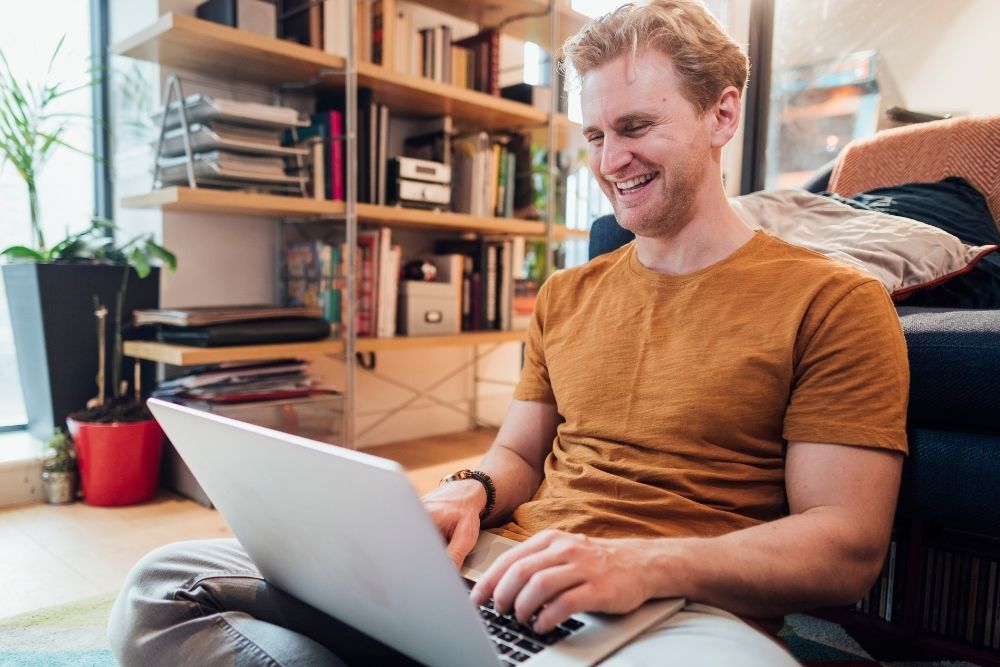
<point>484,481</point>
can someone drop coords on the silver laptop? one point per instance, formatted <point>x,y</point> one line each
<point>346,532</point>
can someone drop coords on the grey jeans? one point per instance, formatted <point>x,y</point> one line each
<point>204,603</point>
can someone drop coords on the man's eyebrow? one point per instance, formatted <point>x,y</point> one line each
<point>622,120</point>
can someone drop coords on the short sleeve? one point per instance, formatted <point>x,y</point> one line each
<point>534,384</point>
<point>851,380</point>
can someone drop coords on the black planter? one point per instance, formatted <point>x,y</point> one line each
<point>55,333</point>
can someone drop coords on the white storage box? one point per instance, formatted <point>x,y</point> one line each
<point>428,309</point>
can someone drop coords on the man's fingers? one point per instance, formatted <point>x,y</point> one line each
<point>569,602</point>
<point>463,539</point>
<point>521,572</point>
<point>544,586</point>
<point>484,588</point>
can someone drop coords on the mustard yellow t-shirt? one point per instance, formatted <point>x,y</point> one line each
<point>679,394</point>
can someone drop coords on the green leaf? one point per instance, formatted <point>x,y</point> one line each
<point>162,254</point>
<point>21,252</point>
<point>138,261</point>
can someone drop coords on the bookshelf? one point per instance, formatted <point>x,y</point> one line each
<point>193,45</point>
<point>187,355</point>
<point>189,43</point>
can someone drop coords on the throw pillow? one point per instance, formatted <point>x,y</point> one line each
<point>904,254</point>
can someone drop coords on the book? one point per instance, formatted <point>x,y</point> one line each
<point>208,315</point>
<point>335,34</point>
<point>301,21</point>
<point>485,48</point>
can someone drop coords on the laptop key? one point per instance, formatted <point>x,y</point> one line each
<point>493,629</point>
<point>571,624</point>
<point>508,663</point>
<point>509,637</point>
<point>529,645</point>
<point>519,657</point>
<point>503,648</point>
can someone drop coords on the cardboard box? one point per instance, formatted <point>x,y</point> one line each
<point>428,309</point>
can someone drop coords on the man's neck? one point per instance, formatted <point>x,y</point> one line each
<point>713,233</point>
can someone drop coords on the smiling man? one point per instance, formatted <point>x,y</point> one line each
<point>707,413</point>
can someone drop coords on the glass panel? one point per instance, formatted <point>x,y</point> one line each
<point>838,65</point>
<point>66,181</point>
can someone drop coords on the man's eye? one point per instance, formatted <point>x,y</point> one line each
<point>595,138</point>
<point>632,129</point>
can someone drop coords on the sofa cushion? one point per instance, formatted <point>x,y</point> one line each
<point>905,255</point>
<point>950,479</point>
<point>954,368</point>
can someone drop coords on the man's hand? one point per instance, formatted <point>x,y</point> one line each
<point>454,507</point>
<point>555,574</point>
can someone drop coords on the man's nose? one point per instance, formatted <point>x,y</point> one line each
<point>615,156</point>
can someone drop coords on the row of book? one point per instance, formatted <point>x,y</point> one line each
<point>315,277</point>
<point>486,276</point>
<point>961,595</point>
<point>396,35</point>
<point>884,600</point>
<point>325,143</point>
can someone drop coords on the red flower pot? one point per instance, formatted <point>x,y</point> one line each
<point>119,463</point>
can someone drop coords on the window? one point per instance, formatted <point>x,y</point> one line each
<point>66,182</point>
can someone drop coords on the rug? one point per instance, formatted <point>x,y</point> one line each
<point>69,635</point>
<point>73,635</point>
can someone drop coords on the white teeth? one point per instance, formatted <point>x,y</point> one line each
<point>631,183</point>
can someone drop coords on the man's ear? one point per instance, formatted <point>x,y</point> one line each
<point>726,117</point>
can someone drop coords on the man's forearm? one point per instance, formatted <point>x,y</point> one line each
<point>799,562</point>
<point>516,481</point>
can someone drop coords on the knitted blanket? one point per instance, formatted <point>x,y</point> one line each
<point>925,153</point>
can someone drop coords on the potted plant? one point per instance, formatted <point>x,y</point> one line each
<point>50,288</point>
<point>59,474</point>
<point>118,442</point>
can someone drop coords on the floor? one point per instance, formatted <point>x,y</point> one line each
<point>53,554</point>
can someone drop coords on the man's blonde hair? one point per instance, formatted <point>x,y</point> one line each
<point>706,59</point>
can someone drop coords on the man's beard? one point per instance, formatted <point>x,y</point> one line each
<point>676,200</point>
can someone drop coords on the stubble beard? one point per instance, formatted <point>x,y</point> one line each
<point>677,195</point>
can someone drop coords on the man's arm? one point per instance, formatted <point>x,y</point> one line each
<point>514,462</point>
<point>828,551</point>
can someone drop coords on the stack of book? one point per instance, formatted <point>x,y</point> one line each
<point>232,145</point>
<point>227,383</point>
<point>234,325</point>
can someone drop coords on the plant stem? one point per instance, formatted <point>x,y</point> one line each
<point>36,223</point>
<point>116,360</point>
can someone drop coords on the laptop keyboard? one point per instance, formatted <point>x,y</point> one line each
<point>516,642</point>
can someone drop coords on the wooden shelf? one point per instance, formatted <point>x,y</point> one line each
<point>457,340</point>
<point>490,14</point>
<point>416,218</point>
<point>564,234</point>
<point>419,96</point>
<point>177,198</point>
<point>189,43</point>
<point>181,199</point>
<point>186,355</point>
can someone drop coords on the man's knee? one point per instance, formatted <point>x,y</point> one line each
<point>148,604</point>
